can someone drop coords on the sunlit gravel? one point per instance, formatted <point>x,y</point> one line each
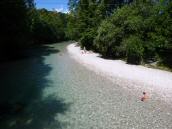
<point>98,103</point>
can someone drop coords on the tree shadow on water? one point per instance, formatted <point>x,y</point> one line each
<point>40,115</point>
<point>21,86</point>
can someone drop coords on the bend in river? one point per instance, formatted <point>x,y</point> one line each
<point>53,91</point>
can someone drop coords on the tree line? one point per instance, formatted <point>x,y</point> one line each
<point>22,26</point>
<point>139,31</point>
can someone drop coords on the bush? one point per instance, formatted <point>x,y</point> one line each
<point>108,39</point>
<point>87,39</point>
<point>134,49</point>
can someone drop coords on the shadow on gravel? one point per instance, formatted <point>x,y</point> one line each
<point>22,82</point>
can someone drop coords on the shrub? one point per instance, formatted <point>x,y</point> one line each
<point>87,39</point>
<point>134,49</point>
<point>108,39</point>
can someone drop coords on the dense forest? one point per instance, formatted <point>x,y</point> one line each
<point>23,26</point>
<point>138,31</point>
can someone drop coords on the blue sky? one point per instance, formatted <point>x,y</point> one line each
<point>58,5</point>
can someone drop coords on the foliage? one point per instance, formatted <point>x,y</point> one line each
<point>23,25</point>
<point>87,39</point>
<point>72,31</point>
<point>48,27</point>
<point>162,36</point>
<point>14,25</point>
<point>138,30</point>
<point>145,25</point>
<point>107,42</point>
<point>134,49</point>
<point>89,15</point>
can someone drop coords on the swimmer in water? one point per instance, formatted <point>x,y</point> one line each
<point>145,96</point>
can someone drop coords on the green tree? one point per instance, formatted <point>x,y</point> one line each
<point>162,36</point>
<point>134,49</point>
<point>14,26</point>
<point>48,26</point>
<point>89,15</point>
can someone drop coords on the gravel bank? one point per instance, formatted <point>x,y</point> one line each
<point>129,76</point>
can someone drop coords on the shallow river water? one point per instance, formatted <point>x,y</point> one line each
<point>56,92</point>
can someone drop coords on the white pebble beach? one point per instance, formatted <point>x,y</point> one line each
<point>131,76</point>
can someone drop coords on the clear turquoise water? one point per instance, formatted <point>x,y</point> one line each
<point>58,93</point>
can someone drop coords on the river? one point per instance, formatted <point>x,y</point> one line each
<point>53,91</point>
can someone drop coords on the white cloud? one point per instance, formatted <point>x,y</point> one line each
<point>61,9</point>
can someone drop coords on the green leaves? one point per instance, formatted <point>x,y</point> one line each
<point>108,39</point>
<point>48,26</point>
<point>138,31</point>
<point>134,24</point>
<point>134,49</point>
<point>89,15</point>
<point>87,38</point>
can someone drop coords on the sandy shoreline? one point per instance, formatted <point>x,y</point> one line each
<point>132,76</point>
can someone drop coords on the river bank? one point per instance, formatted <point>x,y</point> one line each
<point>57,92</point>
<point>130,76</point>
